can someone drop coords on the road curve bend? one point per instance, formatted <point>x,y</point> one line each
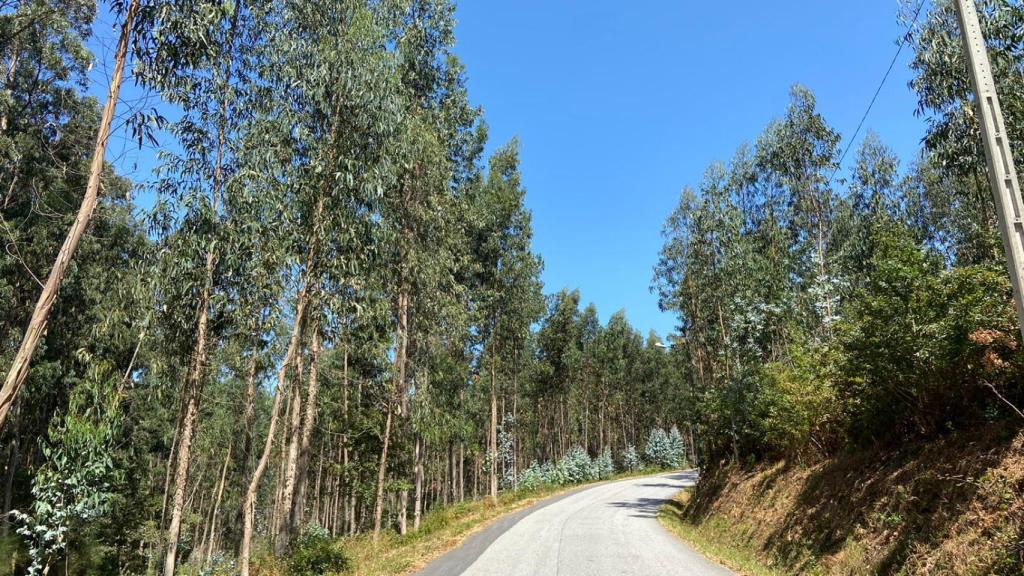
<point>609,529</point>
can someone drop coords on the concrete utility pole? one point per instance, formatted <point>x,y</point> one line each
<point>1002,175</point>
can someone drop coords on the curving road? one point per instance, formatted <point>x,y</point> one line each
<point>608,529</point>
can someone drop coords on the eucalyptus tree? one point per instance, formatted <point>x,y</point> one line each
<point>797,155</point>
<point>951,178</point>
<point>51,35</point>
<point>338,83</point>
<point>47,145</point>
<point>204,61</point>
<point>507,286</point>
<point>430,151</point>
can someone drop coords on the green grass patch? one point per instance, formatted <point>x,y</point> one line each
<point>727,543</point>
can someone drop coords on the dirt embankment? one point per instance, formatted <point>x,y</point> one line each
<point>950,506</point>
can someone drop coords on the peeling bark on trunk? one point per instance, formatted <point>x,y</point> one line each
<point>395,402</point>
<point>309,420</point>
<point>283,533</point>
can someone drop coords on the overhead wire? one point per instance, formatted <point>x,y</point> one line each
<point>904,40</point>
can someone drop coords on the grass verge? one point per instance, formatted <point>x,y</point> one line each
<point>714,538</point>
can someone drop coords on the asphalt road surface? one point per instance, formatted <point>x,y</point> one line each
<point>605,530</point>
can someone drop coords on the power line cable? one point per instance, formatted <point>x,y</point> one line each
<point>892,64</point>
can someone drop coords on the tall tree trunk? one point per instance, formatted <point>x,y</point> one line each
<point>309,420</point>
<point>493,448</point>
<point>211,541</point>
<point>417,507</point>
<point>41,314</point>
<point>396,400</point>
<point>378,507</point>
<point>249,500</point>
<point>403,509</point>
<point>284,509</point>
<point>462,475</point>
<point>197,370</point>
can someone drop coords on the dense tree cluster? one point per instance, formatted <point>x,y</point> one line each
<point>329,321</point>
<point>818,309</point>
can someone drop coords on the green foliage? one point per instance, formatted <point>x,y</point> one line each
<point>604,467</point>
<point>317,554</point>
<point>80,480</point>
<point>796,408</point>
<point>923,343</point>
<point>630,459</point>
<point>665,449</point>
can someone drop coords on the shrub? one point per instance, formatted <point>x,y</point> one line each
<point>630,459</point>
<point>921,344</point>
<point>676,448</point>
<point>575,467</point>
<point>657,451</point>
<point>603,465</point>
<point>316,554</point>
<point>534,476</point>
<point>795,406</point>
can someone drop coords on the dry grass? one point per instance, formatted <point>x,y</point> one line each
<point>953,506</point>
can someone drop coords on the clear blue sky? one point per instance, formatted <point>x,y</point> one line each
<point>618,105</point>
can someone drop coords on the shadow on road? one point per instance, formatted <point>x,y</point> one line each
<point>648,507</point>
<point>643,507</point>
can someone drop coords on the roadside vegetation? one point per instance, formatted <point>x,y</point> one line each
<point>316,325</point>
<point>845,330</point>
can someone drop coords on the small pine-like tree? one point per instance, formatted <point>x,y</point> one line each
<point>604,467</point>
<point>676,448</point>
<point>630,459</point>
<point>657,450</point>
<point>576,467</point>
<point>506,450</point>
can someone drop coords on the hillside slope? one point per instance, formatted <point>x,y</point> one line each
<point>950,506</point>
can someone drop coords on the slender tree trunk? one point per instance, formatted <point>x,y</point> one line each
<point>284,509</point>
<point>403,508</point>
<point>249,500</point>
<point>396,401</point>
<point>211,542</point>
<point>309,420</point>
<point>417,507</point>
<point>493,448</point>
<point>12,67</point>
<point>41,314</point>
<point>378,507</point>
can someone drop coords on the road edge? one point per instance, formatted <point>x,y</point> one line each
<point>455,560</point>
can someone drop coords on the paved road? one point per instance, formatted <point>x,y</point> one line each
<point>606,530</point>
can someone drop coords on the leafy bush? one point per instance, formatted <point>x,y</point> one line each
<point>534,476</point>
<point>573,468</point>
<point>316,554</point>
<point>665,450</point>
<point>796,407</point>
<point>922,344</point>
